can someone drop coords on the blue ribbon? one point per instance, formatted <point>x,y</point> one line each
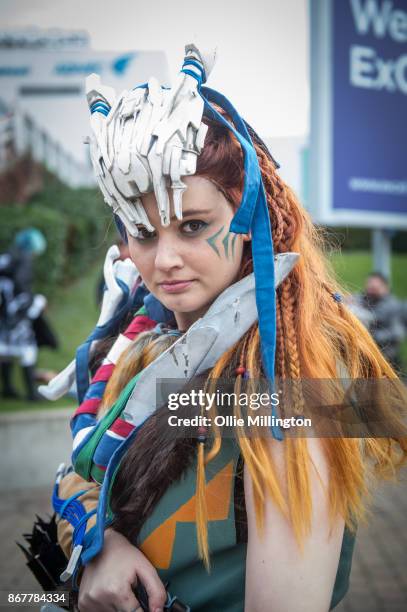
<point>252,215</point>
<point>72,511</point>
<point>80,528</point>
<point>121,229</point>
<point>100,107</point>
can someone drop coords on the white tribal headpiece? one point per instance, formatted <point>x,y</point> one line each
<point>146,139</point>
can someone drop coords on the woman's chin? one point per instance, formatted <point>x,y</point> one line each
<point>182,302</point>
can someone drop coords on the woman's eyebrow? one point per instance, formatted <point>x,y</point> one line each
<point>192,211</point>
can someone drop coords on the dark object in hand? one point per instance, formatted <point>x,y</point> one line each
<point>173,604</point>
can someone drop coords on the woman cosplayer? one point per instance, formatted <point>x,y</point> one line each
<point>244,523</point>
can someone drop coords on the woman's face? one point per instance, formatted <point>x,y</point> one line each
<point>189,263</point>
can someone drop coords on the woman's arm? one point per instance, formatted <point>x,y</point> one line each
<point>280,577</point>
<point>107,581</point>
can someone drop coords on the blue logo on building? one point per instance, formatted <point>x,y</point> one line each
<point>120,64</point>
<point>14,71</point>
<point>68,68</point>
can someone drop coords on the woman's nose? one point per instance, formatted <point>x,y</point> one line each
<point>167,256</point>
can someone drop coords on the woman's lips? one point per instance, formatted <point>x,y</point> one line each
<point>175,286</point>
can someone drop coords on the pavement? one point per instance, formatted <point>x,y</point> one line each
<point>379,571</point>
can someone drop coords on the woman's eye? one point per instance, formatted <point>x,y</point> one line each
<point>192,227</point>
<point>144,234</point>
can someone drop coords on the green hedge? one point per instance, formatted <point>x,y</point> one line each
<point>359,239</point>
<point>76,223</point>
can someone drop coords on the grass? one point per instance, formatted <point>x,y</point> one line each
<point>353,267</point>
<point>73,313</point>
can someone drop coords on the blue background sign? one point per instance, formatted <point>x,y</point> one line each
<point>370,105</point>
<point>359,112</point>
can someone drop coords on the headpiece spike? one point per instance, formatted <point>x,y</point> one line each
<point>147,139</point>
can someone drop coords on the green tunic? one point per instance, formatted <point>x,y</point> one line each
<point>168,539</point>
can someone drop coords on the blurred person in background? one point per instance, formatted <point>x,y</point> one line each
<point>22,325</point>
<point>383,314</point>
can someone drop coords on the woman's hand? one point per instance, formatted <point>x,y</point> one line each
<point>107,581</point>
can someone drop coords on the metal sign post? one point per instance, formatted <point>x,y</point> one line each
<point>381,247</point>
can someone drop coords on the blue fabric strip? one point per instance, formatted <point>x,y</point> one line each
<point>242,221</point>
<point>104,110</point>
<point>96,543</point>
<point>81,421</point>
<point>101,104</point>
<point>96,390</point>
<point>80,528</point>
<point>82,444</point>
<point>192,74</point>
<point>105,449</point>
<point>69,509</point>
<point>253,216</point>
<point>121,229</point>
<point>157,312</point>
<point>192,62</point>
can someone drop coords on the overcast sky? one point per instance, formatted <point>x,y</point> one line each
<point>262,45</point>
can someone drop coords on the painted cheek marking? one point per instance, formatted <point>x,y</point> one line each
<point>225,243</point>
<point>233,245</point>
<point>211,240</point>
